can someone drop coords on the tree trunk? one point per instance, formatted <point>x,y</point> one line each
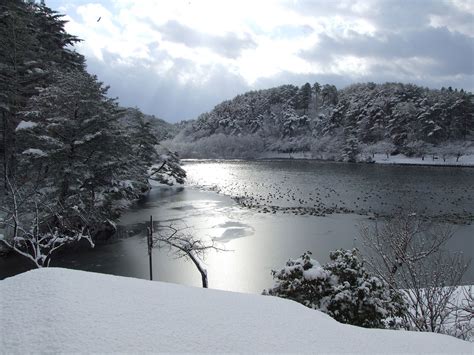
<point>5,153</point>
<point>201,270</point>
<point>204,279</point>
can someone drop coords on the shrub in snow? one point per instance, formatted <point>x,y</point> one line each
<point>342,288</point>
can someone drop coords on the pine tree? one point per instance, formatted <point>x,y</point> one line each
<point>316,90</point>
<point>18,46</point>
<point>32,43</point>
<point>462,116</point>
<point>343,288</point>
<point>72,144</point>
<point>304,97</point>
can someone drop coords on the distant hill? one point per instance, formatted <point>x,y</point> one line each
<point>159,128</point>
<point>162,129</point>
<point>347,124</point>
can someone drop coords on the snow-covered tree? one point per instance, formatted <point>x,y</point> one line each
<point>395,113</point>
<point>383,147</point>
<point>68,154</point>
<point>316,91</point>
<point>304,97</point>
<point>168,171</point>
<point>342,288</point>
<point>30,230</point>
<point>32,44</point>
<point>76,159</point>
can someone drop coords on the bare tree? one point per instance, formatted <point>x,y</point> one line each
<point>29,234</point>
<point>431,286</point>
<point>185,245</point>
<point>401,240</point>
<point>408,254</point>
<point>461,321</point>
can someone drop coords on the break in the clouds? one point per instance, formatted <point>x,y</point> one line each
<point>177,59</point>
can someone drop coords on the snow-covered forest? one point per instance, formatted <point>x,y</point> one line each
<point>72,159</point>
<point>349,124</point>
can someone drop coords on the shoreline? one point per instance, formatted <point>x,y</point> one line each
<point>380,159</point>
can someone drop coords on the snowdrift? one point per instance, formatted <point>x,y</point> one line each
<point>60,310</point>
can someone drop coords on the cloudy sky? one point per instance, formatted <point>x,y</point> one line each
<point>177,59</point>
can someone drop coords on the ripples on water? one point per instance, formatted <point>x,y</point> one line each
<point>319,188</point>
<point>286,192</point>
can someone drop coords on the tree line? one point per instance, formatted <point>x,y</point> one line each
<point>72,159</point>
<point>337,124</point>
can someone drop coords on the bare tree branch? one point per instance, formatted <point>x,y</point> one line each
<point>408,254</point>
<point>31,236</point>
<point>185,245</point>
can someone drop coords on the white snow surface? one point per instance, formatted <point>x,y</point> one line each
<point>25,125</point>
<point>55,310</point>
<point>34,151</point>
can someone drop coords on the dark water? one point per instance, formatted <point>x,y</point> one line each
<point>358,188</point>
<point>256,241</point>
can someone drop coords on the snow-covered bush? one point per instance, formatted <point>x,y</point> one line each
<point>342,288</point>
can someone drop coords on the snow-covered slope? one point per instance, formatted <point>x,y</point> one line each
<point>59,310</point>
<point>331,123</point>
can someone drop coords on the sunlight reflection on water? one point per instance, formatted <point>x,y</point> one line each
<point>257,242</point>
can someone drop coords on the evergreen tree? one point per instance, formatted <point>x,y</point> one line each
<point>343,288</point>
<point>304,97</point>
<point>32,44</point>
<point>316,90</point>
<point>73,132</point>
<point>375,115</point>
<point>462,116</point>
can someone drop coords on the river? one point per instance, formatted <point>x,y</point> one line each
<point>264,212</point>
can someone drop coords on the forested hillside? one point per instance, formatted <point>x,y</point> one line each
<point>71,157</point>
<point>348,124</point>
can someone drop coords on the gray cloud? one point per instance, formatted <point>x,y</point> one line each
<point>390,15</point>
<point>228,45</point>
<point>414,14</point>
<point>162,94</point>
<point>405,47</point>
<point>452,52</point>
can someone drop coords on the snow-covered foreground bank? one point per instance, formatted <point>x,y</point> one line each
<point>60,310</point>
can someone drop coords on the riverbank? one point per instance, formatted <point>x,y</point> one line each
<point>399,159</point>
<point>59,310</point>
